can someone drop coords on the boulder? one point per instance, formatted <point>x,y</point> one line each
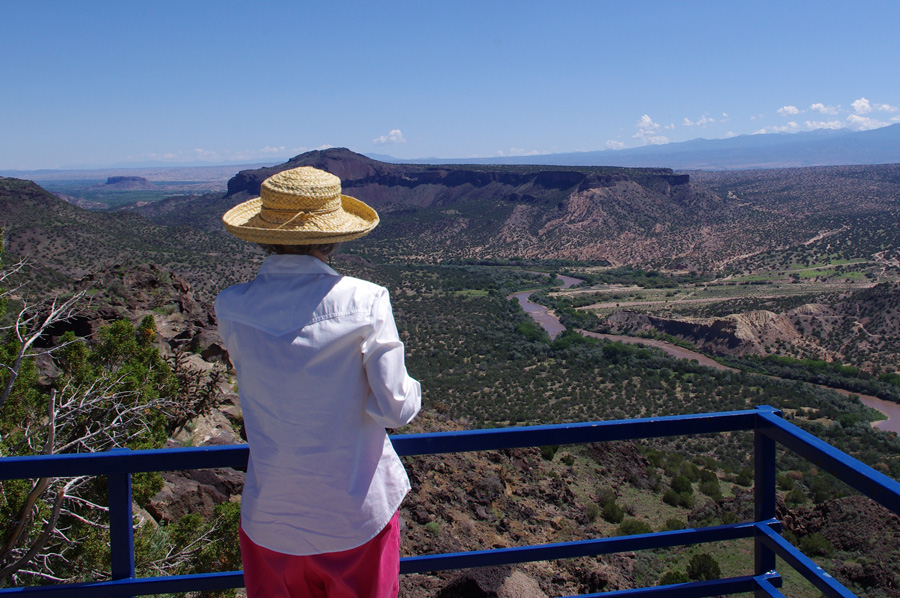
<point>492,582</point>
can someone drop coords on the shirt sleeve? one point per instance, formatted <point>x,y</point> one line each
<point>396,397</point>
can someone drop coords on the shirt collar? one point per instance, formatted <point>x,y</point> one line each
<point>295,264</point>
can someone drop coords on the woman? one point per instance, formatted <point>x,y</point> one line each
<point>321,374</point>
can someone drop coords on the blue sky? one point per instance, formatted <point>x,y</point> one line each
<point>90,84</point>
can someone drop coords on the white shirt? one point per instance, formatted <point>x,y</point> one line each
<point>320,374</point>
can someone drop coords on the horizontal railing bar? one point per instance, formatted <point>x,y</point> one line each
<point>176,459</point>
<point>577,433</point>
<point>420,564</point>
<point>77,464</point>
<point>852,472</point>
<point>803,564</point>
<point>696,589</point>
<point>140,586</point>
<point>567,550</point>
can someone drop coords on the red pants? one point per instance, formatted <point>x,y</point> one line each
<point>368,571</point>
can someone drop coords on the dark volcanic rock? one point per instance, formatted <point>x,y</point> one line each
<point>477,583</point>
<point>196,491</point>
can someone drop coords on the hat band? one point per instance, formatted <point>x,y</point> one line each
<point>300,199</point>
<point>280,217</point>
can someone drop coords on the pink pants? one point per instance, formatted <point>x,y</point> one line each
<point>368,571</point>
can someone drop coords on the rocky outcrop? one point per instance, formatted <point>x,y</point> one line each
<point>368,178</point>
<point>126,183</point>
<point>133,291</point>
<point>195,491</point>
<point>735,334</point>
<point>858,526</point>
<point>492,582</point>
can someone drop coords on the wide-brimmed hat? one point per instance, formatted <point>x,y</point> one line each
<point>300,206</point>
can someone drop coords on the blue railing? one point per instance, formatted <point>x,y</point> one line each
<point>765,423</point>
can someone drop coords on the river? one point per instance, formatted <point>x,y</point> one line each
<point>541,314</point>
<point>549,322</point>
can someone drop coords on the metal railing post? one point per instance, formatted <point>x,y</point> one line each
<point>763,494</point>
<point>121,524</point>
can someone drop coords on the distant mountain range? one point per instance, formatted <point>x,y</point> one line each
<point>822,147</point>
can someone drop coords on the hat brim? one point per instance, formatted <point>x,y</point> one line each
<point>355,219</point>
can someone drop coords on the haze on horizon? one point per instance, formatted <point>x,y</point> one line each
<point>111,83</point>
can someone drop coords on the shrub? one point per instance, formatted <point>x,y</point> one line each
<point>568,460</point>
<point>606,495</point>
<point>744,478</point>
<point>711,489</point>
<point>703,567</point>
<point>729,517</point>
<point>549,451</point>
<point>630,527</point>
<point>816,545</point>
<point>673,524</point>
<point>433,528</point>
<point>785,482</point>
<point>672,577</point>
<point>708,476</point>
<point>690,471</point>
<point>612,512</point>
<point>795,497</point>
<point>682,484</point>
<point>678,499</point>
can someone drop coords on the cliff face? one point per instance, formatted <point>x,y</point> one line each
<point>466,211</point>
<point>367,178</point>
<point>736,334</point>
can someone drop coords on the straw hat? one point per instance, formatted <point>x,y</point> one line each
<point>300,206</point>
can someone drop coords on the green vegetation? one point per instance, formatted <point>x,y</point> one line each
<point>828,373</point>
<point>119,392</point>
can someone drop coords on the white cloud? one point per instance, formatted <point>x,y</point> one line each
<point>788,110</point>
<point>864,123</point>
<point>648,131</point>
<point>730,134</point>
<point>613,144</point>
<point>823,109</point>
<point>788,128</point>
<point>862,106</point>
<point>395,136</point>
<point>823,124</point>
<point>703,121</point>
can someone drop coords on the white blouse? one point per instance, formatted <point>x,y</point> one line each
<point>320,374</point>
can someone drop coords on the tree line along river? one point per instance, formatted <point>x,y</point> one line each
<point>549,322</point>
